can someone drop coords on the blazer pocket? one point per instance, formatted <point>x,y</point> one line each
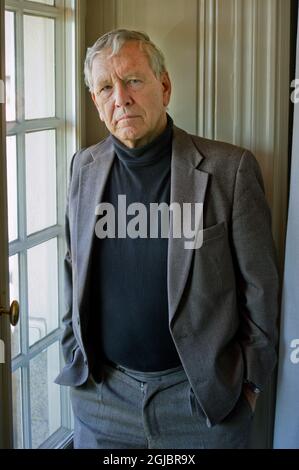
<point>214,231</point>
<point>213,268</point>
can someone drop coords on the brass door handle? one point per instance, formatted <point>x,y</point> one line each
<point>13,312</point>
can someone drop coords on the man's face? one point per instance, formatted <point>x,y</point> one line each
<point>130,99</point>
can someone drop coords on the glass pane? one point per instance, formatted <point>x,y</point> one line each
<point>14,295</point>
<point>12,185</point>
<point>42,290</point>
<point>17,409</point>
<point>44,395</point>
<point>40,151</point>
<point>39,68</point>
<point>47,2</point>
<point>10,77</point>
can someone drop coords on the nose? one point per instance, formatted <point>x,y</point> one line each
<point>121,95</point>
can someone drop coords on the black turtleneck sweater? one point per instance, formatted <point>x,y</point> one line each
<point>130,308</point>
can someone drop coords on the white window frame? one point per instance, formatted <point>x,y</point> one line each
<point>65,123</point>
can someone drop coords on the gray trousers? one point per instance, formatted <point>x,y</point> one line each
<point>151,410</point>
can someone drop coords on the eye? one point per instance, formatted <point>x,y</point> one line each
<point>106,88</point>
<point>134,82</point>
<point>103,90</point>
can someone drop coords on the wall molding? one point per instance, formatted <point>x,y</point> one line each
<point>243,87</point>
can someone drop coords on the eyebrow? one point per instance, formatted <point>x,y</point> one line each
<point>101,81</point>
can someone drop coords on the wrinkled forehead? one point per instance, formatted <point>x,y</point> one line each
<point>131,58</point>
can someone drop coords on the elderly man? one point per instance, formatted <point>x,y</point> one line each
<point>165,346</point>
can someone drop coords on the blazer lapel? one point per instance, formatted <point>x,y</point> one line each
<point>92,180</point>
<point>188,184</point>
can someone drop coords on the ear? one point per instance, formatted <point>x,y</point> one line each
<point>94,99</point>
<point>166,84</point>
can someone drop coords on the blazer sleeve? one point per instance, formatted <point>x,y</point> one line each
<point>68,341</point>
<point>258,284</point>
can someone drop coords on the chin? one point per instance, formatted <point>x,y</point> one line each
<point>129,135</point>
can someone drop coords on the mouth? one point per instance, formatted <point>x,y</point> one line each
<point>126,117</point>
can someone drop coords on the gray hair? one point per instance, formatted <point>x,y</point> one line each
<point>114,40</point>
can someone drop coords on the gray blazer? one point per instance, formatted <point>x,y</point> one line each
<point>222,297</point>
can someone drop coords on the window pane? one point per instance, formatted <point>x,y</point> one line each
<point>42,290</point>
<point>12,185</point>
<point>17,409</point>
<point>14,295</point>
<point>47,2</point>
<point>10,77</point>
<point>39,68</point>
<point>45,395</point>
<point>40,180</point>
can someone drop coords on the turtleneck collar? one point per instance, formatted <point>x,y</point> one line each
<point>147,154</point>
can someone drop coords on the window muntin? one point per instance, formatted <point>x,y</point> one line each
<point>40,143</point>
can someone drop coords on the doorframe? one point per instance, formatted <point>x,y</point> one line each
<point>6,418</point>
